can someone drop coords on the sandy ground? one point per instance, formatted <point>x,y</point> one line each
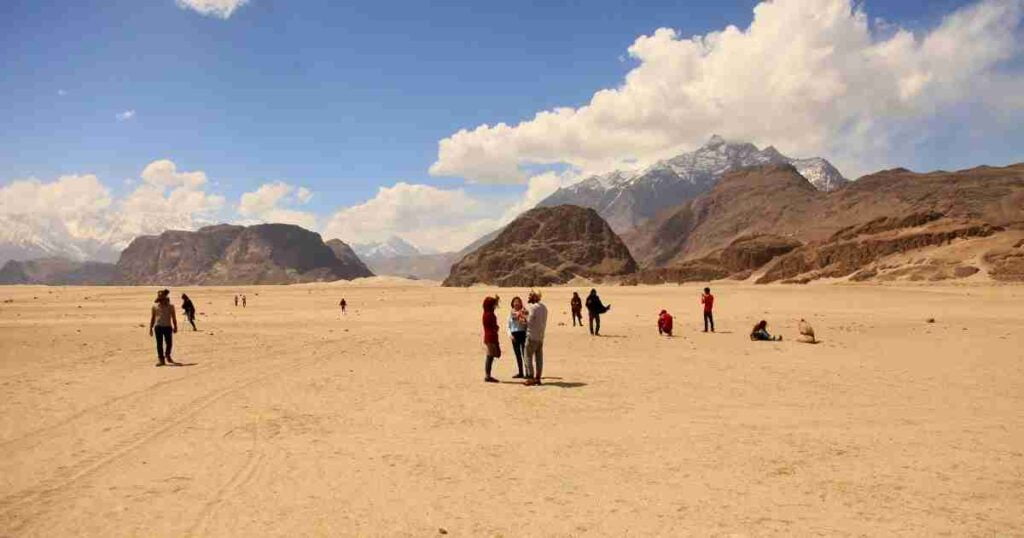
<point>293,421</point>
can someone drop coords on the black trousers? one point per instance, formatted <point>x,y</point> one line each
<point>595,322</point>
<point>191,317</point>
<point>709,320</point>
<point>519,347</point>
<point>164,341</point>
<point>577,315</point>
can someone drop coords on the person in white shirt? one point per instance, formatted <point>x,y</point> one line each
<point>536,324</point>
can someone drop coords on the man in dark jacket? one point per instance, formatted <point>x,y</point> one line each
<point>594,310</point>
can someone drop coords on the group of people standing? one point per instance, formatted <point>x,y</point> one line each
<point>244,301</point>
<point>526,325</point>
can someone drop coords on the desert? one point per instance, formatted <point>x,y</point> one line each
<point>288,418</point>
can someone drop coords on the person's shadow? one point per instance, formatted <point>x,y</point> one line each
<point>180,364</point>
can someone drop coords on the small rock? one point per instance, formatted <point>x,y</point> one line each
<point>930,320</point>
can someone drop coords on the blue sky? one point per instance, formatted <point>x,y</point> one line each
<point>339,97</point>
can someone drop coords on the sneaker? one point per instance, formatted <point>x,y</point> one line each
<point>490,380</point>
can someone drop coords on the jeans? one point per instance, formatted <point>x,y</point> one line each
<point>164,341</point>
<point>534,350</point>
<point>709,319</point>
<point>519,347</point>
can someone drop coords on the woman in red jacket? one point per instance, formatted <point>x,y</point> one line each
<point>490,337</point>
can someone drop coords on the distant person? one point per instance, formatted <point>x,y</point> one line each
<point>189,309</point>
<point>243,301</point>
<point>517,330</point>
<point>343,304</point>
<point>236,300</point>
<point>594,310</point>
<point>708,301</point>
<point>665,323</point>
<point>163,323</point>
<point>806,333</point>
<point>576,307</point>
<point>760,333</point>
<point>536,324</point>
<point>490,322</point>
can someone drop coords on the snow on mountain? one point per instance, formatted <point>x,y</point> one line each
<point>626,199</point>
<point>392,247</point>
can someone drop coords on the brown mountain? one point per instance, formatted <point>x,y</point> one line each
<point>348,256</point>
<point>57,272</point>
<point>878,217</point>
<point>227,254</point>
<point>546,246</point>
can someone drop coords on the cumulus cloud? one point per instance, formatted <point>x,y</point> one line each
<point>125,116</point>
<point>812,77</point>
<point>221,9</point>
<point>427,216</point>
<point>266,204</point>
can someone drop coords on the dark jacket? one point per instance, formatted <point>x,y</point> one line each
<point>594,304</point>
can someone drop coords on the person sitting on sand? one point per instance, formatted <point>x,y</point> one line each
<point>536,325</point>
<point>708,301</point>
<point>594,310</point>
<point>576,308</point>
<point>760,333</point>
<point>806,333</point>
<point>517,330</point>
<point>163,323</point>
<point>490,337</point>
<point>189,309</point>
<point>665,323</point>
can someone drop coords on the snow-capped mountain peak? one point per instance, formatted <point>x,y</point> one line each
<point>391,247</point>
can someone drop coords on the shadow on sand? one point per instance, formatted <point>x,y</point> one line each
<point>180,364</point>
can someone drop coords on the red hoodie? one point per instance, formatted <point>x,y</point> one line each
<point>665,322</point>
<point>490,321</point>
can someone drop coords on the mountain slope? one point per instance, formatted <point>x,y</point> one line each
<point>348,256</point>
<point>227,254</point>
<point>628,199</point>
<point>57,272</point>
<point>546,246</point>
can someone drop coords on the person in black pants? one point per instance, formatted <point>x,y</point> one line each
<point>594,310</point>
<point>189,309</point>
<point>576,307</point>
<point>163,323</point>
<point>517,329</point>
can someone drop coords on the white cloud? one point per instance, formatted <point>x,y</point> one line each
<point>442,219</point>
<point>812,77</point>
<point>264,204</point>
<point>221,9</point>
<point>125,116</point>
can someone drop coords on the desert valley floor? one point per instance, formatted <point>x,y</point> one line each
<point>290,420</point>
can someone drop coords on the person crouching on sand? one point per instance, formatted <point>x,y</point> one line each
<point>536,325</point>
<point>517,330</point>
<point>490,337</point>
<point>760,333</point>
<point>665,323</point>
<point>163,323</point>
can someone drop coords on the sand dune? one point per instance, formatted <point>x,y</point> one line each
<point>293,421</point>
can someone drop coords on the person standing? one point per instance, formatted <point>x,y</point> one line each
<point>236,300</point>
<point>517,330</point>
<point>189,309</point>
<point>576,307</point>
<point>343,304</point>
<point>536,324</point>
<point>594,310</point>
<point>708,301</point>
<point>490,322</point>
<point>163,323</point>
<point>243,300</point>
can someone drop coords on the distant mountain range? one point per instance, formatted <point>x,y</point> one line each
<point>629,199</point>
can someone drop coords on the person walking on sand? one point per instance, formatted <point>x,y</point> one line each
<point>343,304</point>
<point>517,330</point>
<point>163,323</point>
<point>760,333</point>
<point>536,324</point>
<point>189,309</point>
<point>576,307</point>
<point>594,310</point>
<point>708,301</point>
<point>490,322</point>
<point>665,323</point>
<point>236,300</point>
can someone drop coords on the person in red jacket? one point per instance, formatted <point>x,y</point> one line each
<point>665,323</point>
<point>490,337</point>
<point>708,301</point>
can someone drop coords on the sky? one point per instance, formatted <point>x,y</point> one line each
<point>441,121</point>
